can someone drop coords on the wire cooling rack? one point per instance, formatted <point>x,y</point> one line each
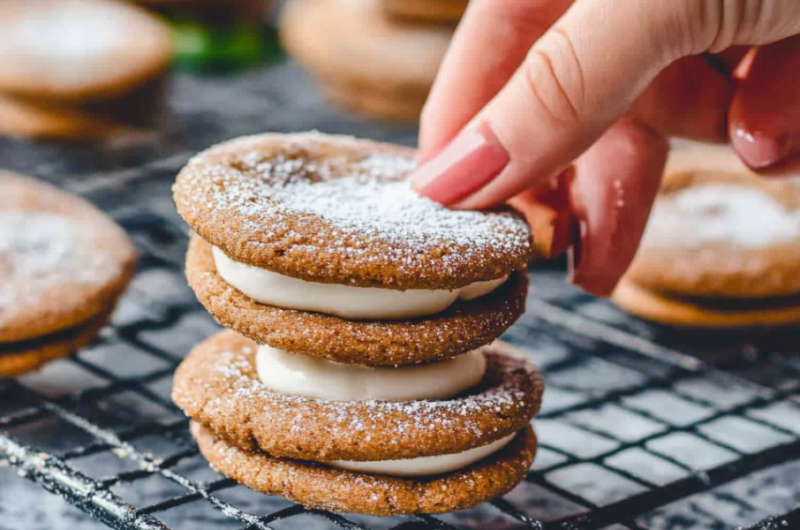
<point>642,427</point>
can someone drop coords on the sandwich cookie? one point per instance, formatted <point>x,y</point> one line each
<point>80,69</point>
<point>444,11</point>
<point>365,60</point>
<point>64,264</point>
<point>370,453</point>
<point>318,245</point>
<point>79,50</point>
<point>722,247</point>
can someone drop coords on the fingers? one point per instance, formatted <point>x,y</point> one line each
<point>765,111</point>
<point>615,185</point>
<point>689,99</point>
<point>482,58</point>
<point>577,80</point>
<point>549,213</point>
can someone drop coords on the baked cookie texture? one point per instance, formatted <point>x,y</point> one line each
<point>18,358</point>
<point>80,69</point>
<point>321,487</point>
<point>366,61</point>
<point>722,247</point>
<point>337,211</point>
<point>464,326</point>
<point>218,386</point>
<point>64,263</point>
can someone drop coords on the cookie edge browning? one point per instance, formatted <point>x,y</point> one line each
<point>196,195</point>
<point>465,326</point>
<point>318,486</point>
<point>217,386</point>
<point>26,360</point>
<point>673,311</point>
<point>50,321</point>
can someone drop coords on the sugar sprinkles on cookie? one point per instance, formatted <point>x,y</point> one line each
<point>64,264</point>
<point>363,355</point>
<point>722,247</point>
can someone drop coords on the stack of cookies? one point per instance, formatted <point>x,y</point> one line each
<point>79,69</point>
<point>375,57</point>
<point>63,266</point>
<point>721,249</point>
<point>362,374</point>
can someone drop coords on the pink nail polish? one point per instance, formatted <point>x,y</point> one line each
<point>758,150</point>
<point>467,164</point>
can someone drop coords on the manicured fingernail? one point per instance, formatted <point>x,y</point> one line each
<point>467,164</point>
<point>758,150</point>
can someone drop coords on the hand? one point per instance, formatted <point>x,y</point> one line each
<point>564,107</point>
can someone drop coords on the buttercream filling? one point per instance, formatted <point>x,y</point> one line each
<point>346,301</point>
<point>426,465</point>
<point>300,375</point>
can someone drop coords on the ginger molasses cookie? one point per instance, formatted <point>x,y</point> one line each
<point>366,61</point>
<point>705,312</point>
<point>297,227</point>
<point>79,50</point>
<point>722,246</point>
<point>220,386</point>
<point>381,424</point>
<point>319,486</point>
<point>64,264</point>
<point>446,11</point>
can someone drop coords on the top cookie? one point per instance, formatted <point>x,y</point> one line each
<point>62,261</point>
<point>335,209</point>
<point>718,230</point>
<point>79,49</point>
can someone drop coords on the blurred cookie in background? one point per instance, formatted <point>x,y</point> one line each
<point>446,11</point>
<point>365,61</point>
<point>72,64</point>
<point>25,118</point>
<point>721,249</point>
<point>63,266</point>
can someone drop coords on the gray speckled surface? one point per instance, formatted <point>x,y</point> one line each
<point>585,360</point>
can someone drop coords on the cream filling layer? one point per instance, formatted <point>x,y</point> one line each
<point>346,301</point>
<point>300,375</point>
<point>426,465</point>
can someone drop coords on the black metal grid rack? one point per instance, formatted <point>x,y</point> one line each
<point>642,427</point>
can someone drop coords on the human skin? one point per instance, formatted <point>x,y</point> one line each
<point>565,107</point>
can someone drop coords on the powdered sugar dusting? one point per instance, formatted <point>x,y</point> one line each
<point>406,420</point>
<point>721,213</point>
<point>41,251</point>
<point>363,199</point>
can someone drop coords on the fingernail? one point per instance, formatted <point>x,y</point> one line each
<point>758,150</point>
<point>467,164</point>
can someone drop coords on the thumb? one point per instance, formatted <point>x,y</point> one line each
<point>577,80</point>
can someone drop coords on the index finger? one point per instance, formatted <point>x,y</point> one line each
<point>491,42</point>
